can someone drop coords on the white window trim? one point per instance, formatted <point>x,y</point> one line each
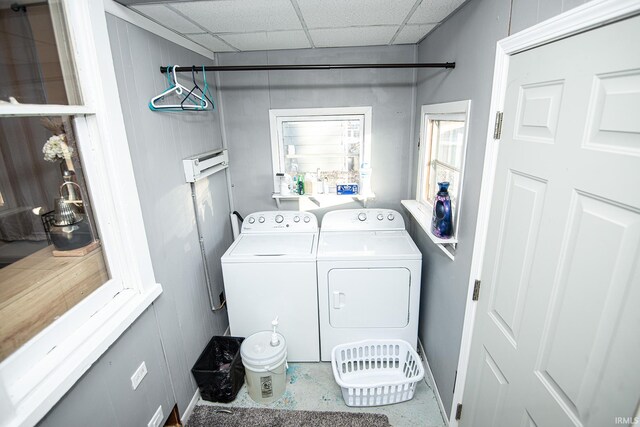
<point>420,209</point>
<point>38,374</point>
<point>275,117</point>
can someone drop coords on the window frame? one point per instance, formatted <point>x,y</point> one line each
<point>38,374</point>
<point>427,130</point>
<point>277,116</point>
<point>419,208</point>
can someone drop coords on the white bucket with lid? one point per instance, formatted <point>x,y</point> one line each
<point>264,356</point>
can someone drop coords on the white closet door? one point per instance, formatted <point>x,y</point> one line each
<point>557,339</point>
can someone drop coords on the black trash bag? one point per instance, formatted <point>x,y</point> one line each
<point>219,371</point>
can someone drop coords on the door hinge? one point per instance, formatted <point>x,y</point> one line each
<point>458,411</point>
<point>497,130</point>
<point>476,291</point>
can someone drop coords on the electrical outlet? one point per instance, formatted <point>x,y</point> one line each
<point>157,418</point>
<point>222,298</point>
<point>138,375</point>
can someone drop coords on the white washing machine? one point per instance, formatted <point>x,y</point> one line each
<point>368,278</point>
<point>269,271</point>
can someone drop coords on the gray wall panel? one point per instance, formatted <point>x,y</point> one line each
<point>158,143</point>
<point>249,96</point>
<point>468,37</point>
<point>103,396</point>
<point>527,13</point>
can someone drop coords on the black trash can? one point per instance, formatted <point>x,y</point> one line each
<point>218,371</point>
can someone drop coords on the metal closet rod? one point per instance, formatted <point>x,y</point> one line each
<point>267,67</point>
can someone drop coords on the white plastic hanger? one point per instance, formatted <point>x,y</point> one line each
<point>199,103</point>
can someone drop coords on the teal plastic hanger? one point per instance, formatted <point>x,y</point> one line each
<point>198,103</point>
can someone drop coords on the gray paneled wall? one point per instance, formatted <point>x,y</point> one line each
<point>103,396</point>
<point>248,96</point>
<point>158,143</point>
<point>468,37</point>
<point>527,13</point>
<point>180,323</point>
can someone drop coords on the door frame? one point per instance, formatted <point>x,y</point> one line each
<point>580,19</point>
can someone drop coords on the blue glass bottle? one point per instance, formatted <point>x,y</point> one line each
<point>442,223</point>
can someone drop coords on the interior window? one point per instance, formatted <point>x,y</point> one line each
<point>441,155</point>
<point>50,255</point>
<point>35,57</point>
<point>322,149</point>
<point>447,139</point>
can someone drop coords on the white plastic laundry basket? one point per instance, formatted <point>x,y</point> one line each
<point>376,372</point>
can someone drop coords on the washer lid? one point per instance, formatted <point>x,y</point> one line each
<point>298,245</point>
<point>361,245</point>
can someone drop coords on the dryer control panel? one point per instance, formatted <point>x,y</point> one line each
<point>280,221</point>
<point>362,220</point>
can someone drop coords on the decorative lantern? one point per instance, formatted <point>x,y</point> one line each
<point>71,227</point>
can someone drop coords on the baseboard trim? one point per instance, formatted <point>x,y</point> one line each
<point>190,407</point>
<point>432,382</point>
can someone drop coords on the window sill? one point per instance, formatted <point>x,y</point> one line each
<point>50,378</point>
<point>423,218</point>
<point>325,200</point>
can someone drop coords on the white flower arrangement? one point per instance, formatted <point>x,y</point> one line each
<point>56,148</point>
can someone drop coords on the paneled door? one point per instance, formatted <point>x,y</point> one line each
<point>557,334</point>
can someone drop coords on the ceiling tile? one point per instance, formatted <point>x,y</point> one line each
<point>168,18</point>
<point>412,34</point>
<point>230,16</point>
<point>357,36</point>
<point>212,43</point>
<point>348,13</point>
<point>268,41</point>
<point>434,11</point>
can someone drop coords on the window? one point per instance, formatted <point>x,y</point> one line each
<point>443,136</point>
<point>323,147</point>
<point>50,252</point>
<point>445,133</point>
<point>35,374</point>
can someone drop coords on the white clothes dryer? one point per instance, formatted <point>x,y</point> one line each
<point>369,273</point>
<point>270,271</point>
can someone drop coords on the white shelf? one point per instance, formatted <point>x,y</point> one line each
<point>324,200</point>
<point>423,218</point>
<point>302,156</point>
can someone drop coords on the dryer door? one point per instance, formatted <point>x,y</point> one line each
<point>369,297</point>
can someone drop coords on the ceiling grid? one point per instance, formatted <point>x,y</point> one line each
<point>248,25</point>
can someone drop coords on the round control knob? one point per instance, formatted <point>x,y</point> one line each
<point>380,217</point>
<point>279,218</point>
<point>261,219</point>
<point>296,219</point>
<point>390,217</point>
<point>307,219</point>
<point>252,220</point>
<point>362,216</point>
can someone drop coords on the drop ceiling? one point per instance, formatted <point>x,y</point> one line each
<point>246,25</point>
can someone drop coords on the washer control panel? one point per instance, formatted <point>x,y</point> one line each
<point>280,221</point>
<point>362,219</point>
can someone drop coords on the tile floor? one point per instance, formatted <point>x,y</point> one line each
<point>311,386</point>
